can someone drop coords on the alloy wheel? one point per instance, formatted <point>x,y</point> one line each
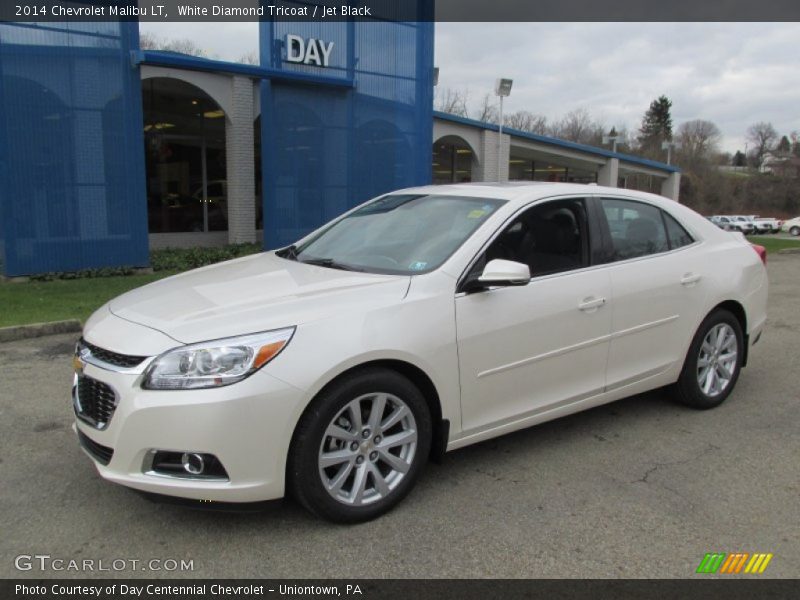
<point>716,363</point>
<point>367,449</point>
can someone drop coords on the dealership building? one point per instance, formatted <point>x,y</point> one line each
<point>107,151</point>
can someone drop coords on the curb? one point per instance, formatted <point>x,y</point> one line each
<point>22,332</point>
<point>789,251</point>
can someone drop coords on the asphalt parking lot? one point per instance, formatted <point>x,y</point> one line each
<point>639,488</point>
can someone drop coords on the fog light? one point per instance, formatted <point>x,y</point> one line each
<point>193,463</point>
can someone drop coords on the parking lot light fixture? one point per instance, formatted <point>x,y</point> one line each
<point>502,88</point>
<point>669,146</point>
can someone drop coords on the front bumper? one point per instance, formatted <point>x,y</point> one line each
<point>247,426</point>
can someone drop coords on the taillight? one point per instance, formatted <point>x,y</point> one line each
<point>761,251</point>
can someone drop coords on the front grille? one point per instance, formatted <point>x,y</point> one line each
<point>125,361</point>
<point>100,453</point>
<point>95,401</point>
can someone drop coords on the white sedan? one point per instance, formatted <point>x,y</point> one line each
<point>420,322</point>
<point>792,226</point>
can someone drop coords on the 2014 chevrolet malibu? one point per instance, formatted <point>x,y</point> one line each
<point>420,322</point>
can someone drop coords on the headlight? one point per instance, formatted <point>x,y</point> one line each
<point>215,363</point>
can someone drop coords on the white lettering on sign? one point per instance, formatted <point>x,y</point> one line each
<point>308,52</point>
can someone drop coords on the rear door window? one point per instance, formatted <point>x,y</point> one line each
<point>637,229</point>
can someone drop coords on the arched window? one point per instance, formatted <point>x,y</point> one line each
<point>184,130</point>
<point>452,160</point>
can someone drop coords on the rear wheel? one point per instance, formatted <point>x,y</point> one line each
<point>795,231</point>
<point>360,446</point>
<point>712,366</point>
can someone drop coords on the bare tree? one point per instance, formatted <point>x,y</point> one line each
<point>578,126</point>
<point>487,110</point>
<point>251,58</point>
<point>699,140</point>
<point>762,135</point>
<point>149,41</point>
<point>451,101</point>
<point>526,121</point>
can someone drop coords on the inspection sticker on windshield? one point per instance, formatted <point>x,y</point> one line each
<point>476,214</point>
<point>418,266</point>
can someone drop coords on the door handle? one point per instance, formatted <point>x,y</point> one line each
<point>591,304</point>
<point>690,279</point>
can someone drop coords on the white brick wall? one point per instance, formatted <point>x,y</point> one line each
<point>487,159</point>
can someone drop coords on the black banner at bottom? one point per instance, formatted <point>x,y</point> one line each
<point>414,589</point>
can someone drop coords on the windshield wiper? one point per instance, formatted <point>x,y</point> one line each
<point>330,263</point>
<point>290,252</point>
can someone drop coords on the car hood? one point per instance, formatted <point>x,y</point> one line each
<point>250,294</point>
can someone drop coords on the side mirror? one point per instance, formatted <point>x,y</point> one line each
<point>500,273</point>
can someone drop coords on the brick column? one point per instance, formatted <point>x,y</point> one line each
<point>608,174</point>
<point>671,186</point>
<point>240,160</point>
<point>487,167</point>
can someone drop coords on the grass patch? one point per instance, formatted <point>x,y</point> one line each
<point>58,296</point>
<point>41,301</point>
<point>773,244</point>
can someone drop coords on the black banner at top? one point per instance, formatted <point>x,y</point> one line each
<point>400,10</point>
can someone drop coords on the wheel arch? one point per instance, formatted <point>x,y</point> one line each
<point>417,376</point>
<point>738,311</point>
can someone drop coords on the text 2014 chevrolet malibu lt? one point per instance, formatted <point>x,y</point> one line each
<point>419,322</point>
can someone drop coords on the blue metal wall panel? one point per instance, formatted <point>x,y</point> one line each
<point>327,150</point>
<point>71,152</point>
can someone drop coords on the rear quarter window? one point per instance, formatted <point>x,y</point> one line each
<point>676,234</point>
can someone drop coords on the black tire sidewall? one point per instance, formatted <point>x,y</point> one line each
<point>302,469</point>
<point>689,391</point>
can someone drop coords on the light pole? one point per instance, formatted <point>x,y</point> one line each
<point>669,146</point>
<point>611,139</point>
<point>502,88</point>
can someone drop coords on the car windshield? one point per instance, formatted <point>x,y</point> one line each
<point>399,234</point>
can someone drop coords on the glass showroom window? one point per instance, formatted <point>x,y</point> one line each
<point>452,160</point>
<point>520,169</point>
<point>549,171</point>
<point>184,133</point>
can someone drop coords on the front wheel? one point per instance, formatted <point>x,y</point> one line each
<point>712,366</point>
<point>360,446</point>
<point>795,231</point>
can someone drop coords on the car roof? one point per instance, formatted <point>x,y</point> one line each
<point>519,192</point>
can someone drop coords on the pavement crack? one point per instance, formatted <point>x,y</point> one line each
<point>657,465</point>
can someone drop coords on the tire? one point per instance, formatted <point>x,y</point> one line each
<point>688,389</point>
<point>795,231</point>
<point>329,443</point>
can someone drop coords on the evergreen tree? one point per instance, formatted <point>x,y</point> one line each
<point>784,147</point>
<point>656,126</point>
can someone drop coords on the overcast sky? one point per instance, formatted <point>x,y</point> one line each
<point>733,74</point>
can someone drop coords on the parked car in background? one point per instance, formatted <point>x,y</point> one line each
<point>767,225</point>
<point>422,321</point>
<point>723,223</point>
<point>732,224</point>
<point>746,224</point>
<point>792,226</point>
